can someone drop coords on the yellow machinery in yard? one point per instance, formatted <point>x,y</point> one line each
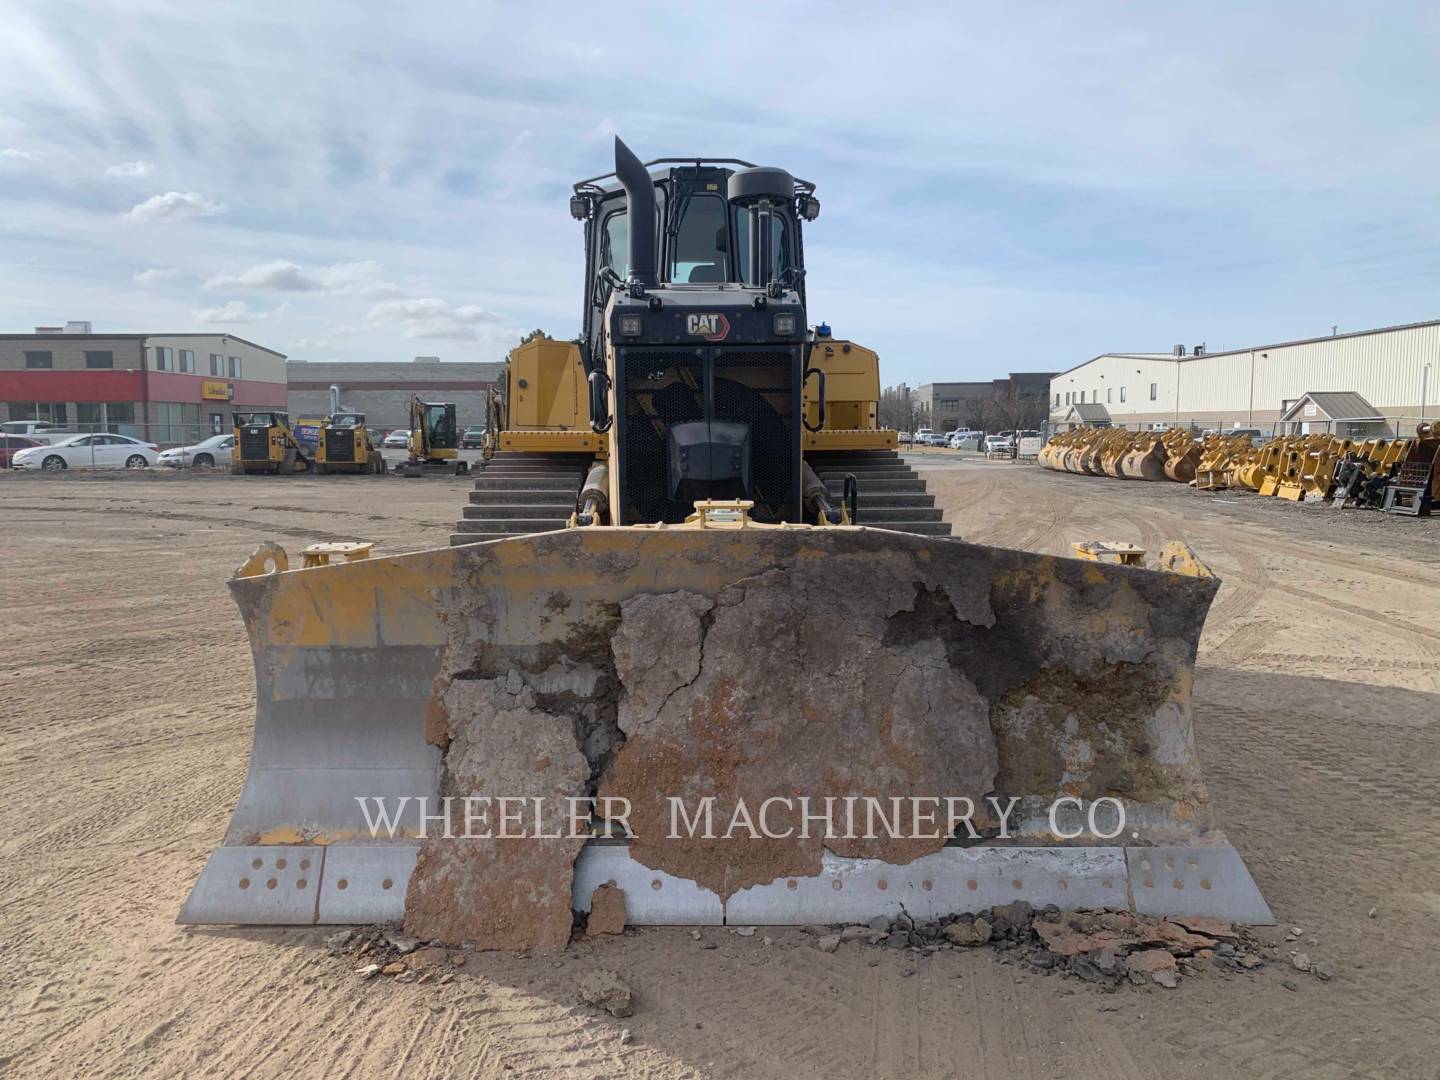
<point>266,443</point>
<point>737,602</point>
<point>1396,475</point>
<point>434,440</point>
<point>345,446</point>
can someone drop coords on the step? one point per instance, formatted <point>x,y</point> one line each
<point>878,487</point>
<point>513,524</point>
<point>525,496</point>
<point>497,511</point>
<point>894,498</point>
<point>526,455</point>
<point>866,475</point>
<point>522,483</point>
<point>871,515</point>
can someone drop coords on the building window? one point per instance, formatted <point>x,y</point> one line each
<point>1109,394</point>
<point>1122,394</point>
<point>164,358</point>
<point>1082,397</point>
<point>217,365</point>
<point>39,360</point>
<point>1152,391</point>
<point>187,361</point>
<point>54,412</point>
<point>234,367</point>
<point>1057,399</point>
<point>99,359</point>
<point>89,416</point>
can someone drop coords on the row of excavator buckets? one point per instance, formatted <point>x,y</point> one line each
<point>1397,475</point>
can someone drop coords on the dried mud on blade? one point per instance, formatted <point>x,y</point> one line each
<point>672,669</point>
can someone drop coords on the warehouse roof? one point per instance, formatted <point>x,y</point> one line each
<point>1261,348</point>
<point>1089,413</point>
<point>1335,404</point>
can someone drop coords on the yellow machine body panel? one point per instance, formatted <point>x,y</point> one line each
<point>547,388</point>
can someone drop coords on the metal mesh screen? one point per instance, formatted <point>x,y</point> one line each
<point>339,444</point>
<point>254,446</point>
<point>660,387</point>
<point>753,387</point>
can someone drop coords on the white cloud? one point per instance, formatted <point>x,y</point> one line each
<point>432,317</point>
<point>234,311</point>
<point>156,275</point>
<point>129,169</point>
<point>12,154</point>
<point>357,278</point>
<point>174,205</point>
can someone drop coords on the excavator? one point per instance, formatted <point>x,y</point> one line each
<point>434,440</point>
<point>701,640</point>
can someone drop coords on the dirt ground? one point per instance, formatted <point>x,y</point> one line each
<point>125,727</point>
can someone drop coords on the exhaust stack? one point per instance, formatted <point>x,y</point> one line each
<point>640,195</point>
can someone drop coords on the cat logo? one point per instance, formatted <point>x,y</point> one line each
<point>712,326</point>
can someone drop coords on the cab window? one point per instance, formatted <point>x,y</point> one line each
<point>779,245</point>
<point>615,244</point>
<point>699,253</point>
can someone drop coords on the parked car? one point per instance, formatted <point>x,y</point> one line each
<point>30,427</point>
<point>998,443</point>
<point>934,438</point>
<point>905,437</point>
<point>204,454</point>
<point>400,437</point>
<point>10,444</point>
<point>89,452</point>
<point>473,438</point>
<point>963,435</point>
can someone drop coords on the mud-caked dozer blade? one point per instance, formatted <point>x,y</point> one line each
<point>902,678</point>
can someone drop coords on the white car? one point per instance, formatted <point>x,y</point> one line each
<point>99,451</point>
<point>934,438</point>
<point>997,443</point>
<point>956,438</point>
<point>400,438</point>
<point>205,454</point>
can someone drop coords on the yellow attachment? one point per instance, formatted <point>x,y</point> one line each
<point>1178,557</point>
<point>349,550</point>
<point>1110,551</point>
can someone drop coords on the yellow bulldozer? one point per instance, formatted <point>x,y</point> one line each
<point>727,659</point>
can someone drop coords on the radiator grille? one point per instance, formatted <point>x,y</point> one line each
<point>339,444</point>
<point>661,387</point>
<point>254,445</point>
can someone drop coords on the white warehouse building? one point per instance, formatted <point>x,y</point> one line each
<point>1367,383</point>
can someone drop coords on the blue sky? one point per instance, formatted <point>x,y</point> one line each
<point>1004,187</point>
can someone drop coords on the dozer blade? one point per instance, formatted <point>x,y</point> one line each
<point>965,725</point>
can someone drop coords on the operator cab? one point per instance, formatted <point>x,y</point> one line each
<point>695,330</point>
<point>346,420</point>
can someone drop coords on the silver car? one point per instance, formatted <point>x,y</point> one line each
<point>204,455</point>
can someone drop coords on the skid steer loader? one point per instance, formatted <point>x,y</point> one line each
<point>715,687</point>
<point>266,443</point>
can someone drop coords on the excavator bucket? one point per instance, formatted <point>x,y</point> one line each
<point>730,723</point>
